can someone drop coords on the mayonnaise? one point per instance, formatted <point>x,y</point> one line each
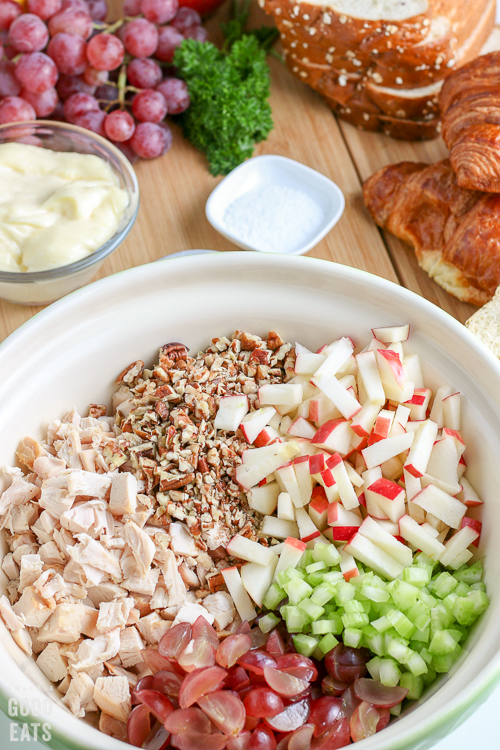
<point>55,207</point>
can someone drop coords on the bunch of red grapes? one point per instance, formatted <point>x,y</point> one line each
<point>60,60</point>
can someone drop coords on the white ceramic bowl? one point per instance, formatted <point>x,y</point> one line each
<point>276,173</point>
<point>71,352</point>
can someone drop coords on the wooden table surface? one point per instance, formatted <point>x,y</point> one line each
<point>175,188</point>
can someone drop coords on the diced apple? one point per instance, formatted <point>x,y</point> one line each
<point>254,422</point>
<point>278,548</point>
<point>363,422</point>
<point>457,439</point>
<point>382,426</point>
<point>317,463</point>
<point>285,424</point>
<point>437,412</point>
<point>442,468</point>
<point>340,533</point>
<point>231,411</point>
<point>338,354</point>
<point>357,444</point>
<point>264,499</point>
<point>370,476</point>
<point>275,420</point>
<point>287,479</point>
<point>338,395</point>
<point>256,579</point>
<point>301,427</point>
<point>462,468</point>
<point>279,528</point>
<point>251,473</point>
<point>392,468</point>
<point>286,509</point>
<point>246,549</point>
<point>374,345</point>
<point>290,557</point>
<point>251,455</point>
<point>419,402</point>
<point>386,541</point>
<point>434,533</point>
<point>337,515</point>
<point>304,480</point>
<point>376,454</point>
<point>348,566</point>
<point>436,523</point>
<point>370,376</point>
<point>307,529</point>
<point>451,411</point>
<point>280,394</point>
<point>401,417</point>
<point>308,362</point>
<point>346,490</point>
<point>442,505</point>
<point>460,559</point>
<point>389,526</point>
<point>241,600</point>
<point>353,475</point>
<point>391,372</point>
<point>334,436</point>
<point>421,448</point>
<point>267,436</point>
<point>387,496</point>
<point>410,530</point>
<point>397,347</point>
<point>318,509</point>
<point>474,524</point>
<point>469,496</point>
<point>413,371</point>
<point>392,334</point>
<point>413,486</point>
<point>457,544</point>
<point>321,409</point>
<point>370,554</point>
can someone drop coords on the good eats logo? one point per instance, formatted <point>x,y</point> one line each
<point>29,719</point>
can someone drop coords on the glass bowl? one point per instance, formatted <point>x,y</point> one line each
<point>42,287</point>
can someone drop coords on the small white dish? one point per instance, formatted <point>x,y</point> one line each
<point>276,205</point>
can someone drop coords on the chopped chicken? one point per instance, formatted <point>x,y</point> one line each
<point>37,645</point>
<point>105,592</point>
<point>159,600</point>
<point>31,570</point>
<point>89,483</point>
<point>87,459</point>
<point>118,671</point>
<point>13,620</point>
<point>141,546</point>
<point>48,466</point>
<point>78,519</point>
<point>23,640</point>
<point>190,613</point>
<point>50,553</point>
<point>96,651</point>
<point>182,541</point>
<point>20,518</point>
<point>221,606</point>
<point>79,695</point>
<point>28,450</point>
<point>174,584</point>
<point>153,627</point>
<point>143,584</point>
<point>33,608</point>
<point>52,664</point>
<point>64,685</point>
<point>90,552</point>
<point>114,614</point>
<point>10,567</point>
<point>189,576</point>
<point>19,493</point>
<point>88,623</point>
<point>64,625</point>
<point>131,645</point>
<point>112,695</point>
<point>55,496</point>
<point>112,727</point>
<point>123,497</point>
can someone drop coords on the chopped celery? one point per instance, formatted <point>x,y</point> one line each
<point>268,622</point>
<point>355,620</point>
<point>345,592</point>
<point>443,664</point>
<point>382,624</point>
<point>373,667</point>
<point>333,577</point>
<point>389,672</point>
<point>403,594</point>
<point>417,665</point>
<point>315,567</point>
<point>306,559</point>
<point>420,615</point>
<point>326,553</point>
<point>305,644</point>
<point>295,619</point>
<point>321,627</point>
<point>273,597</point>
<point>311,609</point>
<point>401,623</point>
<point>352,606</point>
<point>444,585</point>
<point>418,576</point>
<point>352,637</point>
<point>314,579</point>
<point>323,594</point>
<point>471,574</point>
<point>327,643</point>
<point>297,589</point>
<point>442,643</point>
<point>414,683</point>
<point>375,594</point>
<point>395,710</point>
<point>401,653</point>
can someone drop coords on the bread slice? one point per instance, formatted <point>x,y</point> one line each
<point>485,324</point>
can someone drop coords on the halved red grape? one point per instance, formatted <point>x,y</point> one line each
<point>157,663</point>
<point>237,679</point>
<point>157,739</point>
<point>198,654</point>
<point>374,692</point>
<point>157,703</point>
<point>262,739</point>
<point>346,664</point>
<point>203,629</point>
<point>138,725</point>
<point>364,721</point>
<point>167,683</point>
<point>240,742</point>
<point>188,720</point>
<point>197,741</point>
<point>232,648</point>
<point>301,738</point>
<point>262,702</point>
<point>385,716</point>
<point>251,722</point>
<point>255,661</point>
<point>291,662</point>
<point>337,736</point>
<point>331,686</point>
<point>324,712</point>
<point>145,683</point>
<point>350,702</point>
<point>225,710</point>
<point>199,683</point>
<point>283,683</point>
<point>275,644</point>
<point>258,638</point>
<point>294,716</point>
<point>175,640</point>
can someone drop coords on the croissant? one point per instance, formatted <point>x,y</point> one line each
<point>454,231</point>
<point>470,106</point>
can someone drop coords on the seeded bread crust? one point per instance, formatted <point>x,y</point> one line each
<point>382,74</point>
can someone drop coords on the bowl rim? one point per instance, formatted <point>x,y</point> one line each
<point>123,229</point>
<point>455,710</point>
